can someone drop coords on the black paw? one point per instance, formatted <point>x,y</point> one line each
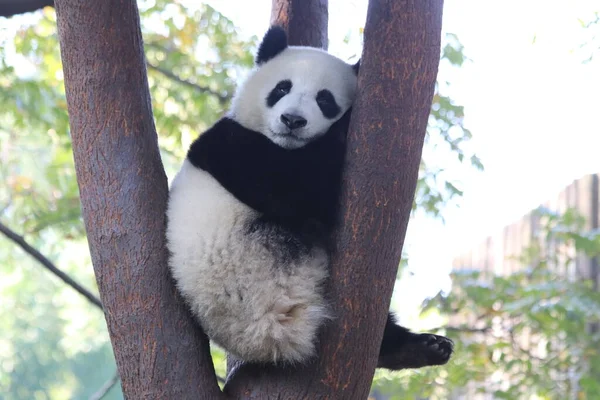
<point>416,351</point>
<point>436,349</point>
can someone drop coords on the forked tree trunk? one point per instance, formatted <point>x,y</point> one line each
<point>160,353</point>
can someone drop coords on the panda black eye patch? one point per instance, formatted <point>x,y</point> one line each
<point>327,104</point>
<point>281,89</point>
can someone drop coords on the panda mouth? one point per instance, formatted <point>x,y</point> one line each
<point>290,136</point>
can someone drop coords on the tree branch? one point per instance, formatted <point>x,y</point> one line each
<point>8,8</point>
<point>160,351</point>
<point>49,265</point>
<point>105,388</point>
<point>462,329</point>
<point>223,98</point>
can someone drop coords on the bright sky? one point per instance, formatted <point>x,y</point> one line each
<point>530,101</point>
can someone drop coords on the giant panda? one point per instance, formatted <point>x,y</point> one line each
<point>251,212</point>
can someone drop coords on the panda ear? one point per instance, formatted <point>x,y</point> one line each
<point>274,42</point>
<point>356,67</point>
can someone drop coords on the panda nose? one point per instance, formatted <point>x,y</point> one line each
<point>293,121</point>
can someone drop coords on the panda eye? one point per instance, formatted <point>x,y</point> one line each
<point>323,101</point>
<point>284,87</point>
<point>327,104</point>
<point>325,98</point>
<point>280,90</point>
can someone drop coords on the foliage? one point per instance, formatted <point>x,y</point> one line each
<point>532,333</point>
<point>194,59</point>
<point>591,28</point>
<point>446,134</point>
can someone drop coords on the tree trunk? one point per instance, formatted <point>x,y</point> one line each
<point>160,352</point>
<point>396,84</point>
<point>305,21</point>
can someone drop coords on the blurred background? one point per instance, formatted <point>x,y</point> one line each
<point>502,249</point>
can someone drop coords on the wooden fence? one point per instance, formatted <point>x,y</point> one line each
<point>497,253</point>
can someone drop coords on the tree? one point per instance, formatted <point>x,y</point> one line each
<point>152,334</point>
<point>123,193</point>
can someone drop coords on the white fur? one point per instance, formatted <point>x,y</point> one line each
<point>256,310</point>
<point>310,70</point>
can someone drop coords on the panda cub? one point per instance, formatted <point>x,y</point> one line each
<point>252,209</point>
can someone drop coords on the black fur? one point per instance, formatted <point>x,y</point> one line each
<point>273,43</point>
<point>297,193</point>
<point>281,242</point>
<point>297,188</point>
<point>356,67</point>
<point>401,349</point>
<point>281,89</point>
<point>329,107</point>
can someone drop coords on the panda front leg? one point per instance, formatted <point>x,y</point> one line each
<point>401,348</point>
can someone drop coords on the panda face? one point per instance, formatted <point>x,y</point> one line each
<point>295,95</point>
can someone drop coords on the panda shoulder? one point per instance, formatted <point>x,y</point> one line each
<point>219,140</point>
<point>227,144</point>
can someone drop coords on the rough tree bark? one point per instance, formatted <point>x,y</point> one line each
<point>160,352</point>
<point>396,84</point>
<point>304,20</point>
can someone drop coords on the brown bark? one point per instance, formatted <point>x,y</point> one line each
<point>396,84</point>
<point>305,21</point>
<point>160,352</point>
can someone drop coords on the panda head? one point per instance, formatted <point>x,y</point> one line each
<point>294,94</point>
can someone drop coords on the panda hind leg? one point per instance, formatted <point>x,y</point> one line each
<point>402,349</point>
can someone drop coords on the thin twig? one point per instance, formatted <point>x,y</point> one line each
<point>105,388</point>
<point>222,97</point>
<point>20,241</point>
<point>463,329</point>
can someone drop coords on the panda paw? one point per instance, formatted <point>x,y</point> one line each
<point>417,351</point>
<point>437,349</point>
